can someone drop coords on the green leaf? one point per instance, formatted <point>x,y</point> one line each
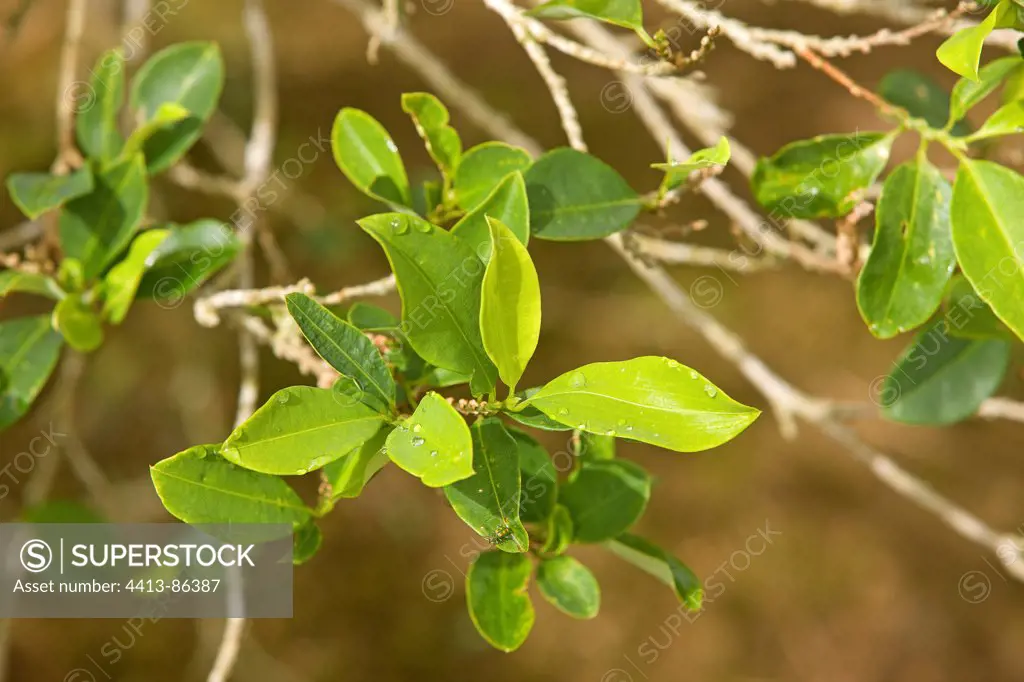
<point>506,203</point>
<point>431,119</point>
<point>529,415</point>
<point>649,399</point>
<point>12,281</point>
<point>188,257</point>
<point>300,429</point>
<point>654,560</point>
<point>167,116</point>
<point>510,305</point>
<point>539,480</point>
<point>625,13</point>
<point>569,586</point>
<point>439,280</point>
<point>78,324</point>
<point>307,541</point>
<point>368,157</point>
<point>95,228</point>
<point>961,52</point>
<point>605,498</point>
<point>96,122</point>
<point>37,193</point>
<point>912,257</point>
<point>348,475</point>
<point>1008,120</point>
<point>190,75</point>
<point>499,604</point>
<point>941,379</point>
<point>344,347</point>
<point>967,92</point>
<point>824,177</point>
<point>575,196</point>
<point>677,172</point>
<point>482,169</point>
<point>368,317</point>
<point>559,531</point>
<point>1014,89</point>
<point>988,201</point>
<point>122,281</point>
<point>199,486</point>
<point>434,444</point>
<point>595,447</point>
<point>29,349</point>
<point>488,501</point>
<point>920,95</point>
<point>968,317</point>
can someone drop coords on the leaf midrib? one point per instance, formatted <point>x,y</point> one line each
<point>294,434</point>
<point>540,396</point>
<point>234,493</point>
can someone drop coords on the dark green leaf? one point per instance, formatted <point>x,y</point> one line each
<point>593,446</point>
<point>499,604</point>
<point>348,475</point>
<point>61,511</point>
<point>37,193</point>
<point>29,349</point>
<point>506,203</point>
<point>918,93</point>
<point>539,480</point>
<point>559,531</point>
<point>482,168</point>
<point>431,119</point>
<point>188,257</point>
<point>96,122</point>
<point>78,324</point>
<point>307,541</point>
<point>122,281</point>
<point>605,498</point>
<point>654,560</point>
<point>368,157</point>
<point>434,444</point>
<point>570,586</point>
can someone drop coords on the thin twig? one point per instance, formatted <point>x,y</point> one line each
<point>68,156</point>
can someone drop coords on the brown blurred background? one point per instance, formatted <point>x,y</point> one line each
<point>856,585</point>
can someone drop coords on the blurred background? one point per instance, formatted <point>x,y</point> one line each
<point>853,582</point>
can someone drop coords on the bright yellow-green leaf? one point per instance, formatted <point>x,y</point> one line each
<point>969,92</point>
<point>78,324</point>
<point>433,444</point>
<point>1008,120</point>
<point>96,119</point>
<point>122,281</point>
<point>431,119</point>
<point>961,52</point>
<point>506,203</point>
<point>368,157</point>
<point>676,172</point>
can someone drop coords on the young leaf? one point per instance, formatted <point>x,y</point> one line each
<point>498,602</point>
<point>625,13</point>
<point>575,196</point>
<point>29,349</point>
<point>1008,120</point>
<point>941,379</point>
<point>96,125</point>
<point>968,317</point>
<point>167,116</point>
<point>37,193</point>
<point>605,498</point>
<point>29,282</point>
<point>967,93</point>
<point>506,203</point>
<point>988,201</point>
<point>439,280</point>
<point>676,172</point>
<point>368,157</point>
<point>300,429</point>
<point>569,586</point>
<point>911,259</point>
<point>654,560</point>
<point>122,281</point>
<point>510,305</point>
<point>482,168</point>
<point>199,486</point>
<point>920,95</point>
<point>190,75</point>
<point>1013,91</point>
<point>348,475</point>
<point>488,501</point>
<point>824,177</point>
<point>559,532</point>
<point>961,52</point>
<point>434,444</point>
<point>649,399</point>
<point>595,447</point>
<point>344,347</point>
<point>78,324</point>
<point>431,119</point>
<point>307,541</point>
<point>539,480</point>
<point>189,256</point>
<point>529,415</point>
<point>95,228</point>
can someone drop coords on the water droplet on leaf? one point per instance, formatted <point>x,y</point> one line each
<point>417,441</point>
<point>577,380</point>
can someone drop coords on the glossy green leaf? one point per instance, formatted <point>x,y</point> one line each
<point>189,256</point>
<point>510,305</point>
<point>559,531</point>
<point>1008,120</point>
<point>29,349</point>
<point>344,347</point>
<point>969,317</point>
<point>912,257</point>
<point>677,172</point>
<point>654,560</point>
<point>1013,91</point>
<point>36,193</point>
<point>122,281</point>
<point>649,399</point>
<point>482,169</point>
<point>433,444</point>
<point>307,541</point>
<point>439,280</point>
<point>569,586</point>
<point>941,379</point>
<point>12,281</point>
<point>431,119</point>
<point>96,121</point>
<point>199,486</point>
<point>593,446</point>
<point>967,92</point>
<point>920,95</point>
<point>488,501</point>
<point>188,74</point>
<point>499,604</point>
<point>625,13</point>
<point>95,228</point>
<point>539,480</point>
<point>575,196</point>
<point>368,157</point>
<point>988,202</point>
<point>348,475</point>
<point>301,428</point>
<point>506,203</point>
<point>529,415</point>
<point>78,323</point>
<point>605,498</point>
<point>824,177</point>
<point>961,52</point>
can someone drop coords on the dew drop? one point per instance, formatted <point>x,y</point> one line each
<point>693,374</point>
<point>610,432</point>
<point>421,226</point>
<point>577,380</point>
<point>629,427</point>
<point>416,428</point>
<point>563,411</point>
<point>582,427</point>
<point>671,363</point>
<point>710,390</point>
<point>433,453</point>
<point>417,441</point>
<point>392,146</point>
<point>283,398</point>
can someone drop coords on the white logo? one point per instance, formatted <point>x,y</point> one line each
<point>36,556</point>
